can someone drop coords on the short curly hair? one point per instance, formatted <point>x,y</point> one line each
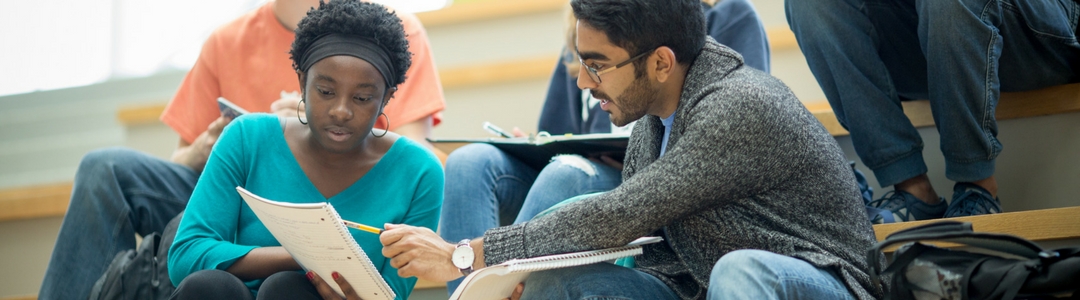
<point>353,17</point>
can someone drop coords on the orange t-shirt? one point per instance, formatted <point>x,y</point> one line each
<point>247,61</point>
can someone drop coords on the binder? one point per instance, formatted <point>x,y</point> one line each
<point>537,151</point>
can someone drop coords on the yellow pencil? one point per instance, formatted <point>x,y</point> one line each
<point>362,227</point>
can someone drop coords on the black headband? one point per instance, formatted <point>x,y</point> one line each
<point>360,47</point>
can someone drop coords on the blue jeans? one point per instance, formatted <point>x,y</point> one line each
<point>758,274</point>
<point>117,193</point>
<point>595,281</point>
<point>868,55</point>
<point>486,188</point>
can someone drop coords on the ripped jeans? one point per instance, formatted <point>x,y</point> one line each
<point>486,188</point>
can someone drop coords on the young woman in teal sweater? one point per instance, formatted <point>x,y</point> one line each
<point>349,57</point>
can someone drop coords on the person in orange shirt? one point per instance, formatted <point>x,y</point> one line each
<point>120,192</point>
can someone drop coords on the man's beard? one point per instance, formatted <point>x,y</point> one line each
<point>633,102</point>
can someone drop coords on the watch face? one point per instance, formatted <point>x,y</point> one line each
<point>463,257</point>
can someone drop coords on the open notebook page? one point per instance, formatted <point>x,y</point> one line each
<point>316,237</point>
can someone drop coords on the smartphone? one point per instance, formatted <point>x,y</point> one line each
<point>229,109</point>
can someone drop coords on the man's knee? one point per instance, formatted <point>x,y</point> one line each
<point>740,266</point>
<point>810,10</point>
<point>103,158</point>
<point>948,10</point>
<point>571,166</point>
<point>107,162</point>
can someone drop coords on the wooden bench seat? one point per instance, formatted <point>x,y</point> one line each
<point>48,200</point>
<point>1043,225</point>
<point>1048,101</point>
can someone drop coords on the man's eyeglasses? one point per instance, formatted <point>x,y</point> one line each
<point>594,74</point>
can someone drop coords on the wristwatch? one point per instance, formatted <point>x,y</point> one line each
<point>463,257</point>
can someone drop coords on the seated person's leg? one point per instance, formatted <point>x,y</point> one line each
<point>736,24</point>
<point>211,284</point>
<point>866,59</point>
<point>288,285</point>
<point>484,189</point>
<point>757,274</point>
<point>595,281</point>
<point>117,193</point>
<point>1031,46</point>
<point>565,177</point>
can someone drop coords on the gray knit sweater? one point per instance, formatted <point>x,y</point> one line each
<point>746,167</point>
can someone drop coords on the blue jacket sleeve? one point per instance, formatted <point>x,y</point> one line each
<point>562,100</point>
<point>736,24</point>
<point>562,112</point>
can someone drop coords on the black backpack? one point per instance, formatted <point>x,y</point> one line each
<point>1018,267</point>
<point>140,273</point>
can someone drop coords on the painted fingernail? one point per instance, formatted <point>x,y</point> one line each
<point>335,274</point>
<point>310,275</point>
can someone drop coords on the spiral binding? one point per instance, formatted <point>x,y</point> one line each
<point>344,231</point>
<point>571,259</point>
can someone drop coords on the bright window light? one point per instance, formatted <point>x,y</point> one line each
<point>81,42</point>
<point>415,6</point>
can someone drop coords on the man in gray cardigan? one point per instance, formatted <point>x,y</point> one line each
<point>723,159</point>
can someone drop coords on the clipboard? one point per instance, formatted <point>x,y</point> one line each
<point>537,151</point>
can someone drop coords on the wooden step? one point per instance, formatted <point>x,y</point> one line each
<point>47,200</point>
<point>1041,225</point>
<point>1048,101</point>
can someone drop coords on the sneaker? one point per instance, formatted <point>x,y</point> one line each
<point>900,206</point>
<point>971,200</point>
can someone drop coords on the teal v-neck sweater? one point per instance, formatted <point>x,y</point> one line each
<point>218,228</point>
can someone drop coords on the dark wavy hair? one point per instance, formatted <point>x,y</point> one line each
<point>641,25</point>
<point>353,17</point>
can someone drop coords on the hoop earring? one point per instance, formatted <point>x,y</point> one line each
<point>387,126</point>
<point>298,111</point>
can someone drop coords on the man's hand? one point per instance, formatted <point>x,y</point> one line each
<point>419,252</point>
<point>194,155</point>
<point>607,160</point>
<point>288,106</point>
<point>517,132</point>
<point>328,292</point>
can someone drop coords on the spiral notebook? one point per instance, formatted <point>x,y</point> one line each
<point>316,237</point>
<point>498,281</point>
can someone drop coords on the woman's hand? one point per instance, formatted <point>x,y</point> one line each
<point>516,295</point>
<point>606,159</point>
<point>328,292</point>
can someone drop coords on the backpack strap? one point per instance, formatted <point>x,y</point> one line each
<point>949,231</point>
<point>962,233</point>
